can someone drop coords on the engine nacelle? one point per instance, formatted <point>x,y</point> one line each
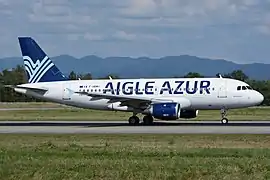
<point>165,111</point>
<point>188,114</point>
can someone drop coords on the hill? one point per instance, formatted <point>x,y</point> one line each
<point>168,66</point>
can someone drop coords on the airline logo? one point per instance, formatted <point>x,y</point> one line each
<point>37,70</point>
<point>176,87</point>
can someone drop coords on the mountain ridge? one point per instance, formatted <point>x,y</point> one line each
<point>143,67</point>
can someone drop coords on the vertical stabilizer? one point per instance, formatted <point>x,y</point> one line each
<point>38,66</point>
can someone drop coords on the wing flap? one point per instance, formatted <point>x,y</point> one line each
<point>118,97</point>
<point>141,102</point>
<point>134,101</point>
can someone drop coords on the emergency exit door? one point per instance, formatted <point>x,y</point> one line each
<point>222,91</point>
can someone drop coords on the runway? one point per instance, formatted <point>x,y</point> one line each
<point>122,127</point>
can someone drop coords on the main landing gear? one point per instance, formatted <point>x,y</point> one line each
<point>223,113</point>
<point>134,120</point>
<point>148,120</point>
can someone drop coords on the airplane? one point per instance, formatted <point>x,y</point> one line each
<point>161,99</point>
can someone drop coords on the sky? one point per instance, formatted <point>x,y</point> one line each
<point>235,30</point>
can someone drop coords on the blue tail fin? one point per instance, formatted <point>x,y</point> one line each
<point>38,66</point>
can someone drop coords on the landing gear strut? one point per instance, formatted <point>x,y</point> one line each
<point>223,113</point>
<point>134,120</point>
<point>148,120</point>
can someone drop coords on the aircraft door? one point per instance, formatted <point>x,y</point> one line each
<point>66,96</point>
<point>222,91</point>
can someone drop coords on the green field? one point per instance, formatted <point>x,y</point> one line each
<point>67,113</point>
<point>134,157</point>
<point>30,105</point>
<point>131,156</point>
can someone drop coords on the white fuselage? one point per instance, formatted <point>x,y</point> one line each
<point>191,93</point>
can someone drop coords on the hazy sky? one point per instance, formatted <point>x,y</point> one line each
<point>237,30</point>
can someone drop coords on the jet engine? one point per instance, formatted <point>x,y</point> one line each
<point>188,114</point>
<point>164,111</point>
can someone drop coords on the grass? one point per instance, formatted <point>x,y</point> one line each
<point>63,114</point>
<point>84,114</point>
<point>134,157</point>
<point>30,105</point>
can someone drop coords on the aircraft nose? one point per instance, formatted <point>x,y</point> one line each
<point>258,97</point>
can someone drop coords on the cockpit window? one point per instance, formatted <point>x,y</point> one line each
<point>239,88</point>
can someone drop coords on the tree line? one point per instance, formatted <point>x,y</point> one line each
<point>17,75</point>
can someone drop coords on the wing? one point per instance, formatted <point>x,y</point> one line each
<point>132,101</point>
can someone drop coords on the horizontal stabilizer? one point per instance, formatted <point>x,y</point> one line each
<point>38,90</point>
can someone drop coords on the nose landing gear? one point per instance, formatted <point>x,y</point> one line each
<point>223,113</point>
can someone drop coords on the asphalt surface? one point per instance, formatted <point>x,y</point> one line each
<point>121,127</point>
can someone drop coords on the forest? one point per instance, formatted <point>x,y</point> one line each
<point>18,76</point>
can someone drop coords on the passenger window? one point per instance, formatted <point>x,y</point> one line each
<point>244,88</point>
<point>238,88</point>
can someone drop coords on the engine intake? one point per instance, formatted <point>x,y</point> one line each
<point>165,111</point>
<point>188,114</point>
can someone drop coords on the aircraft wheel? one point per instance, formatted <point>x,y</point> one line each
<point>134,120</point>
<point>223,113</point>
<point>224,121</point>
<point>148,120</point>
